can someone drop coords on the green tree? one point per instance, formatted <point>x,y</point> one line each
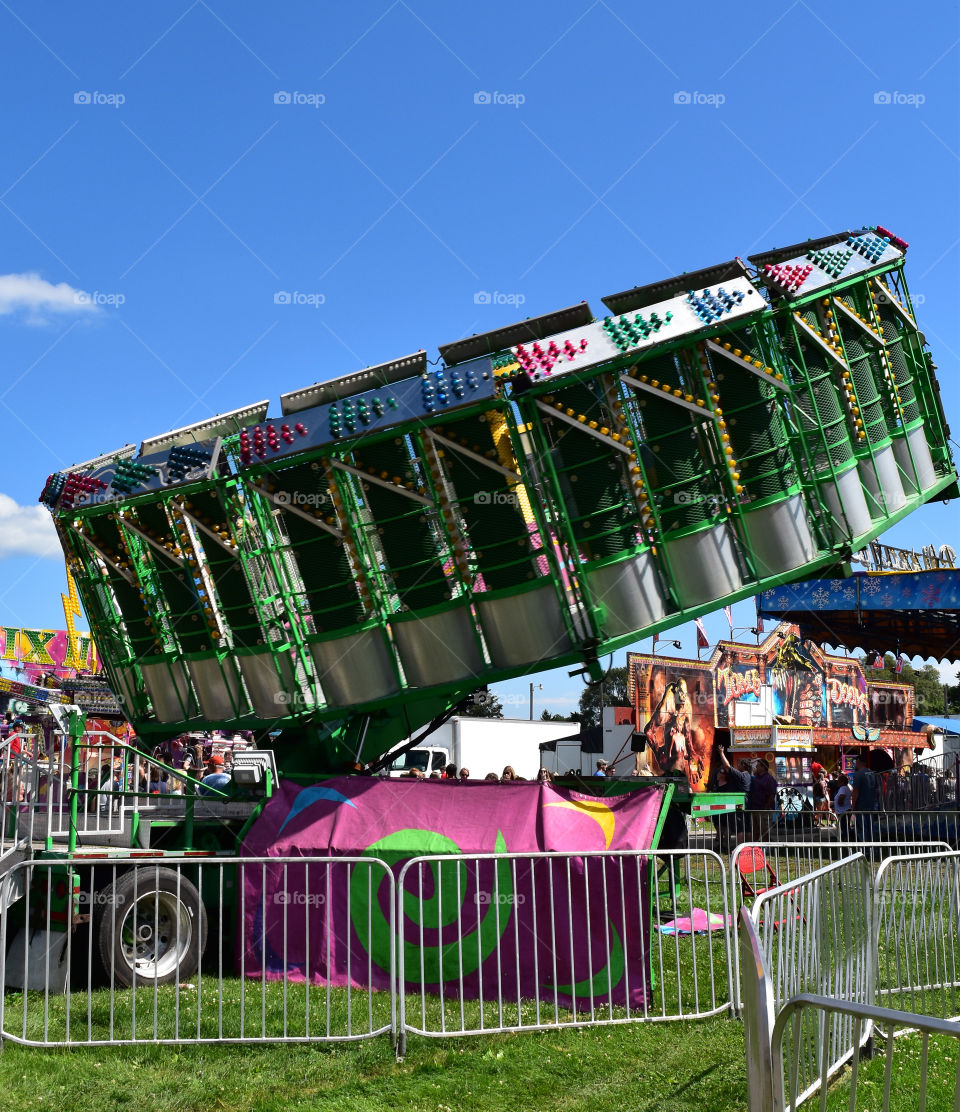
<point>926,683</point>
<point>548,716</point>
<point>481,704</point>
<point>610,692</point>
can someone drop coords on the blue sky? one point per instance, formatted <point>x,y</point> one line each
<point>169,168</point>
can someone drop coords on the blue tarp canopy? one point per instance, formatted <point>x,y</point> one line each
<point>947,725</point>
<point>915,613</point>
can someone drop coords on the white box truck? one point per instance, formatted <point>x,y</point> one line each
<point>484,745</point>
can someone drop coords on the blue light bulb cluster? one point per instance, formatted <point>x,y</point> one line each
<point>710,307</point>
<point>52,489</point>
<point>184,458</point>
<point>870,246</point>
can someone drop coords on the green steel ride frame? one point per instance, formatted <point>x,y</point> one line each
<point>345,593</point>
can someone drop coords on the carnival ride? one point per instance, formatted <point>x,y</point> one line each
<point>345,573</point>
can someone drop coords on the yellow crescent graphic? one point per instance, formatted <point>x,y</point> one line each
<point>599,812</point>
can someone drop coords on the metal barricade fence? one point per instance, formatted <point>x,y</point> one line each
<point>917,900</point>
<point>815,935</point>
<point>522,942</point>
<point>756,867</point>
<point>933,1080</point>
<point>890,826</point>
<point>197,949</point>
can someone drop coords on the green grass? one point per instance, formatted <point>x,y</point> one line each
<point>647,1068</point>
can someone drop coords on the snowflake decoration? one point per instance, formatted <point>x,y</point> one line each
<point>872,586</point>
<point>850,594</point>
<point>820,598</point>
<point>836,584</point>
<point>887,599</point>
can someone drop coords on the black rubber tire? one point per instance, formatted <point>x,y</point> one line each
<point>151,925</point>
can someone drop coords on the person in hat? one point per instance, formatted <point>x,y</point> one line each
<point>215,777</point>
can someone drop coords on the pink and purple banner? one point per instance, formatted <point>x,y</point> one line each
<point>568,930</point>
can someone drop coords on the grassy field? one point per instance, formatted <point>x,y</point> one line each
<point>649,1068</point>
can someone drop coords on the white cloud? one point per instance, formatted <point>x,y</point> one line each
<point>27,531</point>
<point>37,297</point>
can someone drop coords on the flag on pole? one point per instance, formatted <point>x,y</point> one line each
<point>728,610</point>
<point>759,624</point>
<point>899,665</point>
<point>703,641</point>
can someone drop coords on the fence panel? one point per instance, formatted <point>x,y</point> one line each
<point>756,867</point>
<point>816,936</point>
<point>516,942</point>
<point>924,1075</point>
<point>917,900</point>
<point>198,950</point>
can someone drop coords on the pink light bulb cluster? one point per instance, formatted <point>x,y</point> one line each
<point>256,441</point>
<point>789,277</point>
<point>78,485</point>
<point>539,360</point>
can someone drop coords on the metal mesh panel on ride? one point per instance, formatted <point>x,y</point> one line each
<point>902,374</point>
<point>869,399</point>
<point>755,425</point>
<point>505,544</point>
<point>675,447</point>
<point>824,422</point>
<point>602,512</point>
<point>406,530</point>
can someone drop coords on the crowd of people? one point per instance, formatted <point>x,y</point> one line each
<point>451,772</point>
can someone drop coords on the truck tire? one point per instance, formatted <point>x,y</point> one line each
<point>151,925</point>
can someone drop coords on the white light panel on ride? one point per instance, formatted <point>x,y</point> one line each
<point>639,330</point>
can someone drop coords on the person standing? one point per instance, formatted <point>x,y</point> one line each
<point>729,779</point>
<point>863,797</point>
<point>762,797</point>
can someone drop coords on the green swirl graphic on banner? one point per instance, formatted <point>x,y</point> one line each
<point>603,982</point>
<point>431,964</point>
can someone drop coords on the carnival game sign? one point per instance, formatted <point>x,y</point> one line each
<point>736,683</point>
<point>487,926</point>
<point>849,703</point>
